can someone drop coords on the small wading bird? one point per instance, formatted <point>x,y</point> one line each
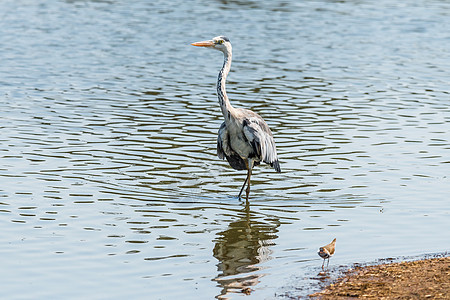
<point>327,251</point>
<point>244,138</point>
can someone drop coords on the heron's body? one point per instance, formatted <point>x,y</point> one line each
<point>244,137</point>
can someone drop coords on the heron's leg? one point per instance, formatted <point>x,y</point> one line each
<point>248,185</point>
<point>328,262</point>
<point>250,167</point>
<point>323,263</point>
<point>245,182</point>
<point>242,188</point>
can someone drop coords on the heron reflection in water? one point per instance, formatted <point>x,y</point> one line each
<point>242,249</point>
<point>244,137</point>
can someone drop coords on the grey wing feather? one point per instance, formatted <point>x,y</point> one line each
<point>224,149</point>
<point>261,139</point>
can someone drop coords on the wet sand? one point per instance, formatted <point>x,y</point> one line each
<point>421,279</point>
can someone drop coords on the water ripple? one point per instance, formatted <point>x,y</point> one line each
<point>108,142</point>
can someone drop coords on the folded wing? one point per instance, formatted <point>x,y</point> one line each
<point>261,140</point>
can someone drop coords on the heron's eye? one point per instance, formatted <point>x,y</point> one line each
<point>220,42</point>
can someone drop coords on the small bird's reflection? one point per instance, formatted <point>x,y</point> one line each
<point>240,249</point>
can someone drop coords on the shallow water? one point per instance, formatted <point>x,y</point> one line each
<point>110,183</point>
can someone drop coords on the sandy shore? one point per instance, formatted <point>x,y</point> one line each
<point>421,279</point>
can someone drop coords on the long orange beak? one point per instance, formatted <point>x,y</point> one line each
<point>203,44</point>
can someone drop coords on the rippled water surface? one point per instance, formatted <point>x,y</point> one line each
<point>110,183</point>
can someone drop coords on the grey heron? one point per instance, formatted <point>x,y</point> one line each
<point>244,137</point>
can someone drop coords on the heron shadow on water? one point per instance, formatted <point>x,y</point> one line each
<point>244,139</point>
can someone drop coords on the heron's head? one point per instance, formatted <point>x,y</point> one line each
<point>221,43</point>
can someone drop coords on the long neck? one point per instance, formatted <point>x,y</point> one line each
<point>225,104</point>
